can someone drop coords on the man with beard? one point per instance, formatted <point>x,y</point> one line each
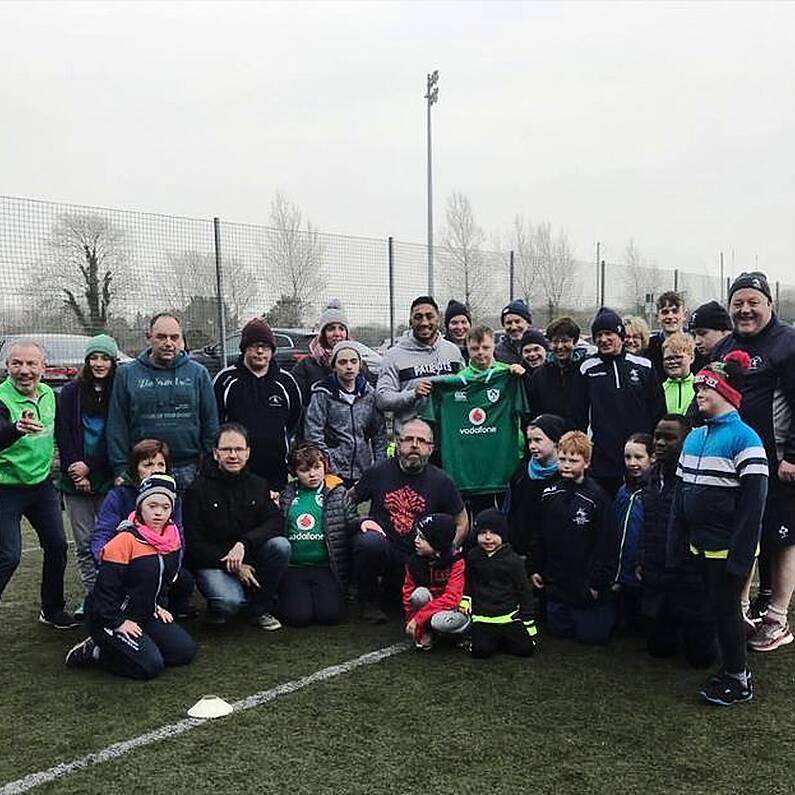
<point>401,490</point>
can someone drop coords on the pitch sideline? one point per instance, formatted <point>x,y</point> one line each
<point>119,749</point>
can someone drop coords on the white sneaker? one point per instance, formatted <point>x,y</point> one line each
<point>267,621</point>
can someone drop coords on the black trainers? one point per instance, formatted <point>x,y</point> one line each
<point>81,654</point>
<point>725,690</point>
<point>373,614</point>
<point>60,619</point>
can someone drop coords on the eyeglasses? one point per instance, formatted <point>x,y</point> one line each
<point>258,346</point>
<point>415,440</point>
<point>231,450</point>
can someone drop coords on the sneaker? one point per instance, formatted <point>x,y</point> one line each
<point>266,621</point>
<point>425,643</point>
<point>770,635</point>
<point>725,690</point>
<point>60,619</point>
<point>759,604</point>
<point>80,611</point>
<point>373,614</point>
<point>81,654</point>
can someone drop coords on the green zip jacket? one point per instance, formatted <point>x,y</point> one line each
<point>25,459</point>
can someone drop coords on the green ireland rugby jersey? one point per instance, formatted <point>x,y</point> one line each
<point>478,415</point>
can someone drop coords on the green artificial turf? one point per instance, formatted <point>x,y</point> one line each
<point>572,719</point>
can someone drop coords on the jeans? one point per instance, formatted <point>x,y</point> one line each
<point>226,595</point>
<point>375,557</point>
<point>83,510</point>
<point>41,506</point>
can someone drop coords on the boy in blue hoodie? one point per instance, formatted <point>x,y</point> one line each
<point>718,507</point>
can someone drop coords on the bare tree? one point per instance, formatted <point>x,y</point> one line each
<point>86,262</point>
<point>464,265</point>
<point>526,271</point>
<point>556,267</point>
<point>294,256</point>
<point>192,275</point>
<point>641,277</point>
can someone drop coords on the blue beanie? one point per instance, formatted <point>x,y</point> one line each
<point>517,307</point>
<point>607,319</point>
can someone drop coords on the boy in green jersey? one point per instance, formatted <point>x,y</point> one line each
<point>478,413</point>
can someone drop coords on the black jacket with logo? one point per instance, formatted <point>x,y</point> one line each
<point>617,396</point>
<point>269,407</point>
<point>577,545</point>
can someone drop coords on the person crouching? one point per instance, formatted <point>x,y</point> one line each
<point>132,633</point>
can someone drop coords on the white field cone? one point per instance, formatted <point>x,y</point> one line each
<point>210,707</point>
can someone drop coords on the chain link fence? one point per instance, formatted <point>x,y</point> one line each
<point>80,270</point>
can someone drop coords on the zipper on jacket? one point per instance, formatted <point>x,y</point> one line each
<point>624,535</point>
<point>161,567</point>
<point>353,427</point>
<point>615,370</point>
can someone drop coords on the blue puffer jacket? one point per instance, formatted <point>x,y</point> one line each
<point>628,506</point>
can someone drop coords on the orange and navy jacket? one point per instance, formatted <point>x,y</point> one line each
<point>446,586</point>
<point>133,578</point>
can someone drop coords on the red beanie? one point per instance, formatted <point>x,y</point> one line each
<point>257,330</point>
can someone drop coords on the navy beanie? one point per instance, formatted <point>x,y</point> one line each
<point>607,319</point>
<point>710,316</point>
<point>534,337</point>
<point>755,280</point>
<point>438,529</point>
<point>517,307</point>
<point>454,309</point>
<point>494,520</point>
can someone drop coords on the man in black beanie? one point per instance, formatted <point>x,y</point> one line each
<point>457,322</point>
<point>709,324</point>
<point>768,406</point>
<point>616,394</point>
<point>516,318</point>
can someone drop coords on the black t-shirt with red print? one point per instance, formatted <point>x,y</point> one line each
<point>399,497</point>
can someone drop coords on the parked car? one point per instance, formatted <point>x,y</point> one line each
<point>64,355</point>
<point>292,345</point>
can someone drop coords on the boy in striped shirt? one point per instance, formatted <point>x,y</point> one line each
<point>718,507</point>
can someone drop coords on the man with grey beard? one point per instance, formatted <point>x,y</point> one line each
<point>401,490</point>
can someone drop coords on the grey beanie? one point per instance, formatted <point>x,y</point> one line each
<point>351,345</point>
<point>332,313</point>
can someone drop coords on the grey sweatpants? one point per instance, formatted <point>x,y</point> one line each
<point>83,510</point>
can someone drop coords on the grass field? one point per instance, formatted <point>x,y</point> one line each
<point>572,719</point>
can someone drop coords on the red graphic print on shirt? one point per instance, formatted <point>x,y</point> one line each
<point>404,506</point>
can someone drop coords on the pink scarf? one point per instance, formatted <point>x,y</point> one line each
<point>164,542</point>
<point>320,354</point>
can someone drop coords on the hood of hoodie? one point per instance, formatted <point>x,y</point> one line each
<point>408,342</point>
<point>332,387</point>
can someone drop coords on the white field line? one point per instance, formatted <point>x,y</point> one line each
<point>118,750</point>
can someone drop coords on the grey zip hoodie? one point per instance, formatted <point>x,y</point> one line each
<point>407,363</point>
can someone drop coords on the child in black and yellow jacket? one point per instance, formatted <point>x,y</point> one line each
<point>132,633</point>
<point>500,593</point>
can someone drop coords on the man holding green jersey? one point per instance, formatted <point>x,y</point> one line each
<point>27,427</point>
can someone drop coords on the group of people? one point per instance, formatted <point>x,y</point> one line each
<point>627,484</point>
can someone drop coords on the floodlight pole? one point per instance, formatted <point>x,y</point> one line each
<point>431,97</point>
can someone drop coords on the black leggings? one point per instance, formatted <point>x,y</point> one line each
<point>724,596</point>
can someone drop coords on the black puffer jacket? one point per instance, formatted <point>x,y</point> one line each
<point>340,522</point>
<point>221,509</point>
<point>498,584</point>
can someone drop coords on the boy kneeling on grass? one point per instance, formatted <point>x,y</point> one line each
<point>499,591</point>
<point>717,508</point>
<point>575,555</point>
<point>132,633</point>
<point>434,582</point>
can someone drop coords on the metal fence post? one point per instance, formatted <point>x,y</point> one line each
<point>676,280</point>
<point>511,276</point>
<point>219,287</point>
<point>602,267</point>
<point>391,259</point>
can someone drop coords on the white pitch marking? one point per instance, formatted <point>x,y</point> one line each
<point>173,729</point>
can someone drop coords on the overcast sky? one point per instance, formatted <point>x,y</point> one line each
<point>670,123</point>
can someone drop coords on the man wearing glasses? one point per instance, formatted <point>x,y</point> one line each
<point>234,534</point>
<point>265,399</point>
<point>400,489</point>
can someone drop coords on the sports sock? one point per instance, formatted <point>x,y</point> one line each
<point>779,616</point>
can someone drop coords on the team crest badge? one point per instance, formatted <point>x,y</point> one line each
<point>581,517</point>
<point>493,395</point>
<point>460,397</point>
<point>477,416</point>
<point>633,376</point>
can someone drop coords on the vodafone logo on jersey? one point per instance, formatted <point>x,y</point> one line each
<point>477,416</point>
<point>306,521</point>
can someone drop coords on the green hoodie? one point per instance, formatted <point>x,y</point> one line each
<point>174,404</point>
<point>27,461</point>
